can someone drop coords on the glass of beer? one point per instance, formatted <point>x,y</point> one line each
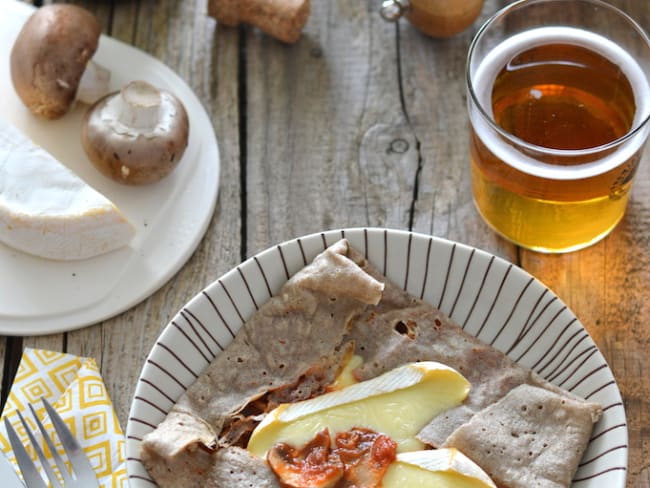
<point>559,108</point>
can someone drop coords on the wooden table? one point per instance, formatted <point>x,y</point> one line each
<point>360,123</point>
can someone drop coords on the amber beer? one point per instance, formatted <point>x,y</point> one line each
<point>556,135</point>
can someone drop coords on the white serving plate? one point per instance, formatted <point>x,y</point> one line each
<point>491,298</point>
<point>39,296</point>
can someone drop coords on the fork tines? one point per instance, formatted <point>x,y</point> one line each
<point>81,468</point>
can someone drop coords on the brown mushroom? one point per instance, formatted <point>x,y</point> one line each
<point>137,135</point>
<point>49,59</point>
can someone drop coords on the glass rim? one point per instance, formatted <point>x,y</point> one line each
<point>567,153</point>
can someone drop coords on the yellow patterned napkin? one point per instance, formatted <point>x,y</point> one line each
<point>75,389</point>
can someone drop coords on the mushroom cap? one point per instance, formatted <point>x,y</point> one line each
<point>50,55</point>
<point>132,155</point>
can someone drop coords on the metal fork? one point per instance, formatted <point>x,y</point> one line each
<point>82,475</point>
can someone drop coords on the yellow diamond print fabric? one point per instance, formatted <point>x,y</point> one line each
<point>74,387</point>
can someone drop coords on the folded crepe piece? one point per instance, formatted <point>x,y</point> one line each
<point>74,387</point>
<point>531,437</point>
<point>289,350</point>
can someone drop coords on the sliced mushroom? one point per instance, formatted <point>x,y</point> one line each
<point>49,58</point>
<point>136,136</point>
<point>313,466</point>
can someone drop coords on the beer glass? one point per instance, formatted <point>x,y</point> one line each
<point>559,103</point>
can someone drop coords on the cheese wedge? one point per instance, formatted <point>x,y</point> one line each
<point>398,403</point>
<point>47,210</point>
<point>438,468</point>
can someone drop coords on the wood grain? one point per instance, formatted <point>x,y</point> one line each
<point>360,123</point>
<point>433,81</point>
<point>327,143</point>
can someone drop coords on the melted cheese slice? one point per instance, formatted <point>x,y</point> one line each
<point>398,403</point>
<point>438,468</point>
<point>47,210</point>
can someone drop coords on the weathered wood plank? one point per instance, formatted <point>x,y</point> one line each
<point>433,80</point>
<point>329,143</point>
<point>6,359</point>
<point>53,342</point>
<point>322,117</point>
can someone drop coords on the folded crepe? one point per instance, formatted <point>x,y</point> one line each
<point>289,350</point>
<point>297,343</point>
<point>532,437</point>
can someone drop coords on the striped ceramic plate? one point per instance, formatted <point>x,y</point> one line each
<point>490,298</point>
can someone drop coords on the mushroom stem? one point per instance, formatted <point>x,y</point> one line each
<point>93,83</point>
<point>139,105</point>
<point>136,136</point>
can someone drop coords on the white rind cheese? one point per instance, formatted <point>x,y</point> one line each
<point>439,468</point>
<point>47,210</point>
<point>397,403</point>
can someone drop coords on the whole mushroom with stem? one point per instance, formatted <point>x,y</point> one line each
<point>50,61</point>
<point>136,136</point>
